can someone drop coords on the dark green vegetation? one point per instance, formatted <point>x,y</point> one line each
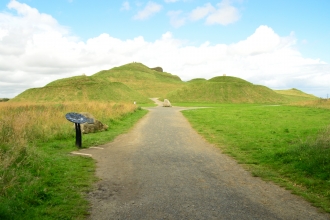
<point>45,181</point>
<point>137,82</point>
<point>4,99</point>
<point>286,144</point>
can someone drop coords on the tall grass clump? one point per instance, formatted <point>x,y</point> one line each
<point>38,178</point>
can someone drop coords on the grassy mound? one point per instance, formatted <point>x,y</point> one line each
<point>137,82</point>
<point>81,88</point>
<point>228,79</point>
<point>127,83</point>
<point>225,90</point>
<point>197,80</point>
<point>148,82</point>
<point>296,95</point>
<point>76,81</point>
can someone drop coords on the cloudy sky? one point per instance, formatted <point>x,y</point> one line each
<point>281,44</point>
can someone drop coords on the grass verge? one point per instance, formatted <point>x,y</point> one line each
<point>285,144</point>
<point>39,179</point>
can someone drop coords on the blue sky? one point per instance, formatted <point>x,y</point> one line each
<point>281,44</point>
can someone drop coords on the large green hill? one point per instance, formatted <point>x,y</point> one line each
<point>146,81</point>
<point>137,82</point>
<point>130,82</point>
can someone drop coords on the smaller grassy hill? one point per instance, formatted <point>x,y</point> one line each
<point>148,82</point>
<point>294,95</point>
<point>225,89</point>
<point>81,88</point>
<point>228,79</point>
<point>197,80</point>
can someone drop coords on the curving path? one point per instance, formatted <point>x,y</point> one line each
<point>162,169</point>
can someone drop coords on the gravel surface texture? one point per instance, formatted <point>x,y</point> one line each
<point>163,169</point>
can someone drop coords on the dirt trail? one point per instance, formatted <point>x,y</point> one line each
<point>162,169</point>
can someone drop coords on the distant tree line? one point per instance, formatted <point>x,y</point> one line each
<point>4,99</point>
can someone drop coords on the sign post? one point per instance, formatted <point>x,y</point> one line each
<point>77,119</point>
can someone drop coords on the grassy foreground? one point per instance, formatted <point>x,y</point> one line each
<point>289,145</point>
<point>39,179</point>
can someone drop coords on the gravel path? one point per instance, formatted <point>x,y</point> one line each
<point>162,169</point>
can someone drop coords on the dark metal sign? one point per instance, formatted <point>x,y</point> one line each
<point>77,119</point>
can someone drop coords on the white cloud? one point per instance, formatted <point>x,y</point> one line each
<point>224,15</point>
<point>304,41</point>
<point>264,40</point>
<point>125,6</point>
<point>176,19</point>
<point>35,50</point>
<point>33,15</point>
<point>201,12</point>
<point>173,1</point>
<point>150,9</point>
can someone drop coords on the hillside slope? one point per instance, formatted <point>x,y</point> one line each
<point>296,95</point>
<point>225,89</point>
<point>81,88</point>
<point>137,82</point>
<point>148,82</point>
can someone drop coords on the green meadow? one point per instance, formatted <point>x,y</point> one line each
<point>288,145</point>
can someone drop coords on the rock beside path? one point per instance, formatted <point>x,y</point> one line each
<point>92,125</point>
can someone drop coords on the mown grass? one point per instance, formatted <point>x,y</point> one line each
<point>39,179</point>
<point>286,144</point>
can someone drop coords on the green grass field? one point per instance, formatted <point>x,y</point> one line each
<point>286,144</point>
